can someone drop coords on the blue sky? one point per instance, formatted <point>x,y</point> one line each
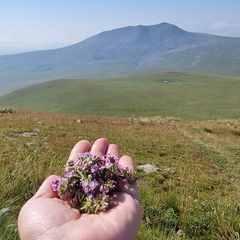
<point>27,25</point>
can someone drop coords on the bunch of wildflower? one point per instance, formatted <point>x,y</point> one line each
<point>90,181</point>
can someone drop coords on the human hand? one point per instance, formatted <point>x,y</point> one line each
<point>46,216</point>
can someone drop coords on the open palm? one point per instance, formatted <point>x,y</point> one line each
<point>45,216</point>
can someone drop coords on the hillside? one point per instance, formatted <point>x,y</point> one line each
<point>177,94</point>
<point>197,190</point>
<point>124,51</point>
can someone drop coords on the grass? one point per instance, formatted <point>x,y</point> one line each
<point>179,94</point>
<point>197,192</point>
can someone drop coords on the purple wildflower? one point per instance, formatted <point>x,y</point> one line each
<point>93,185</point>
<point>68,173</point>
<point>101,189</point>
<point>95,169</point>
<point>85,186</point>
<point>89,181</point>
<point>55,184</point>
<point>91,196</point>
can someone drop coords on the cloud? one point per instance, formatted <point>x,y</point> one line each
<point>219,26</point>
<point>225,28</point>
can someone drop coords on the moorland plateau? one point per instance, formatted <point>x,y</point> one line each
<point>177,94</point>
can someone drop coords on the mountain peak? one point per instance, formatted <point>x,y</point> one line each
<point>166,25</point>
<point>124,51</point>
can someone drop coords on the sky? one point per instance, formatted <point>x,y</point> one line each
<point>30,25</point>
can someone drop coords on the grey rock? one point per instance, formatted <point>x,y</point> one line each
<point>29,144</point>
<point>136,120</point>
<point>172,171</point>
<point>180,233</point>
<point>4,211</point>
<point>36,130</point>
<point>79,121</point>
<point>25,134</point>
<point>148,168</point>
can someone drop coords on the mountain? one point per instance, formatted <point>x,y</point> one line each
<point>124,51</point>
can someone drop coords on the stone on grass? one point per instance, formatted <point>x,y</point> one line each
<point>25,134</point>
<point>172,171</point>
<point>148,168</point>
<point>29,144</point>
<point>79,121</point>
<point>180,233</point>
<point>4,211</point>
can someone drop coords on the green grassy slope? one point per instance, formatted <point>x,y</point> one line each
<point>177,94</point>
<point>221,59</point>
<point>198,190</point>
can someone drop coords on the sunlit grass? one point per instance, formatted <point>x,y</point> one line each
<point>197,192</point>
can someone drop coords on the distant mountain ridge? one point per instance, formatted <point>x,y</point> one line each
<point>124,51</point>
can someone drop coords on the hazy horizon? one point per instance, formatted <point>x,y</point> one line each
<point>40,25</point>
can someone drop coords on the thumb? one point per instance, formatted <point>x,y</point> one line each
<point>45,190</point>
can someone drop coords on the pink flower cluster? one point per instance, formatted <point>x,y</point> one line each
<point>90,181</point>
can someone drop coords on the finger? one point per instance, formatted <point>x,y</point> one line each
<point>45,189</point>
<point>99,147</point>
<point>80,147</point>
<point>128,162</point>
<point>114,151</point>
